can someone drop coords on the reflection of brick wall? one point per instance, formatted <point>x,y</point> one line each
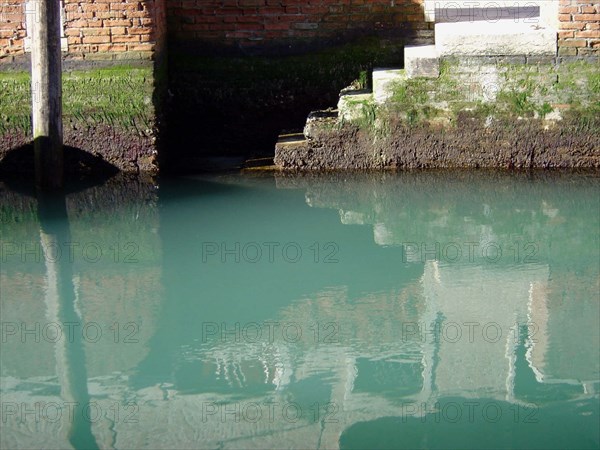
<point>257,22</point>
<point>93,29</point>
<point>579,31</point>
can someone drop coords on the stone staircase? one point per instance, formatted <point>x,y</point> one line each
<point>464,30</point>
<point>518,28</point>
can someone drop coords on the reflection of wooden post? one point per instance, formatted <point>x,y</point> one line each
<point>46,94</point>
<point>60,302</point>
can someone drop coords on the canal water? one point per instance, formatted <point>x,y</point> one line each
<point>410,310</point>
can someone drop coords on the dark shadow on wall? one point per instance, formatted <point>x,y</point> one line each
<point>237,105</point>
<point>226,101</point>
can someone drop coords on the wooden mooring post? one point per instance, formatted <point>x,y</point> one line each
<point>46,94</point>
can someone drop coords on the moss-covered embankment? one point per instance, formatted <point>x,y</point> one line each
<point>480,112</point>
<point>109,113</point>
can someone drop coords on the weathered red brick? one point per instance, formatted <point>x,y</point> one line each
<point>587,17</point>
<point>95,31</point>
<point>139,47</point>
<point>126,38</point>
<point>95,39</point>
<point>568,9</point>
<point>588,34</point>
<point>572,25</point>
<point>574,43</point>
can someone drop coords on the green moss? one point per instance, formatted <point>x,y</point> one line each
<point>518,102</point>
<point>445,68</point>
<point>118,96</point>
<point>363,79</point>
<point>594,82</point>
<point>584,118</point>
<point>411,99</point>
<point>544,109</point>
<point>527,91</point>
<point>368,117</point>
<point>367,113</point>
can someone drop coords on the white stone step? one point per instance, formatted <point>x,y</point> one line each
<point>384,81</point>
<point>421,61</point>
<point>354,105</point>
<point>504,37</point>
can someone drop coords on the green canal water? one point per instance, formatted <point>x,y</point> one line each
<point>412,310</point>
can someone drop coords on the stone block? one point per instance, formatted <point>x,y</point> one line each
<point>421,61</point>
<point>354,106</point>
<point>384,81</point>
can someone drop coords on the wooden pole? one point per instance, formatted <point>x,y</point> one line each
<point>46,94</point>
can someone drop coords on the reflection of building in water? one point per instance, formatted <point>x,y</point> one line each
<point>375,367</point>
<point>454,332</point>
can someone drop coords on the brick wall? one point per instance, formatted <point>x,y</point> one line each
<point>95,29</point>
<point>579,29</point>
<point>260,22</point>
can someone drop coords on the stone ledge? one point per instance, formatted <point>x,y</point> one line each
<point>502,38</point>
<point>525,145</point>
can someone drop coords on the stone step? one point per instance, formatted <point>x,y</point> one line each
<point>353,105</point>
<point>291,139</point>
<point>501,38</point>
<point>384,81</point>
<point>316,118</point>
<point>421,61</point>
<point>291,150</point>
